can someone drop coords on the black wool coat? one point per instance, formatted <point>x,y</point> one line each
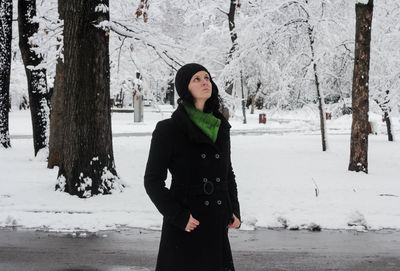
<point>203,184</point>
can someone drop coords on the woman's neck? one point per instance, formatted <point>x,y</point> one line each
<point>199,105</point>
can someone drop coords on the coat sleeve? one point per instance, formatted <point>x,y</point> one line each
<point>156,173</point>
<point>232,187</point>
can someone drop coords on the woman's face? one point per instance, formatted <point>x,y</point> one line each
<point>200,86</point>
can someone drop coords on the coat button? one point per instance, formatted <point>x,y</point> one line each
<point>217,156</point>
<point>205,180</point>
<point>206,203</point>
<point>217,180</point>
<point>219,202</point>
<point>203,155</point>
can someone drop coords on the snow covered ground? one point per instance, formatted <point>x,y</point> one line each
<point>284,178</point>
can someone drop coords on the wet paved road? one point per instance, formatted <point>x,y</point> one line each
<point>136,249</point>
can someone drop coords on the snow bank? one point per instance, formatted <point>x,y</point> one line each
<point>284,180</point>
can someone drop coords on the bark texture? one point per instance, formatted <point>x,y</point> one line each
<point>388,126</point>
<point>5,69</point>
<point>232,30</point>
<point>253,98</point>
<point>383,101</point>
<point>37,83</point>
<point>87,161</point>
<point>319,94</point>
<point>310,31</point>
<point>57,109</point>
<point>360,92</point>
<point>56,119</point>
<point>233,34</point>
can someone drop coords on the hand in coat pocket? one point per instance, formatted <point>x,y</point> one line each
<point>234,223</point>
<point>192,224</point>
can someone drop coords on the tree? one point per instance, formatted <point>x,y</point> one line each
<point>5,68</point>
<point>254,96</point>
<point>300,22</point>
<point>171,90</point>
<point>273,49</point>
<point>360,96</point>
<point>385,60</point>
<point>87,162</point>
<point>233,34</point>
<point>141,44</point>
<point>232,30</point>
<point>57,109</point>
<point>310,31</point>
<point>383,103</point>
<point>36,76</point>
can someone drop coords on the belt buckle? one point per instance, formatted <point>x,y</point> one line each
<point>208,191</point>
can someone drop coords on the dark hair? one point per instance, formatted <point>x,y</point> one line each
<point>212,104</point>
<point>182,80</point>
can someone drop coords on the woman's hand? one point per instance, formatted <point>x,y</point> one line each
<point>192,224</point>
<point>235,224</point>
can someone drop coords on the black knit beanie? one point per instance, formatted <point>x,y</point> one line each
<point>183,76</point>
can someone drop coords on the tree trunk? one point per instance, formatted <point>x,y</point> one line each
<point>388,126</point>
<point>383,101</point>
<point>56,118</point>
<point>319,95</point>
<point>253,98</point>
<point>322,123</point>
<point>232,30</point>
<point>5,69</point>
<point>57,109</point>
<point>171,92</point>
<point>360,99</point>
<point>87,161</point>
<point>37,84</point>
<point>253,102</point>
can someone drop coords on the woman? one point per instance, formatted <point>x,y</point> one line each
<point>202,202</point>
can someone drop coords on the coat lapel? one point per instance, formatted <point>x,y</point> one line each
<point>181,118</point>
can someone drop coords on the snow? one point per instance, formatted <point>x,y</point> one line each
<point>284,179</point>
<point>101,8</point>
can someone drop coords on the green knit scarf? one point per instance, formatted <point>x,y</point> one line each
<point>207,122</point>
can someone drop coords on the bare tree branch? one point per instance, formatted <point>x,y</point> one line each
<point>226,13</point>
<point>126,32</point>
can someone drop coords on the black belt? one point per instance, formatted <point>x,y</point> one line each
<point>205,188</point>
